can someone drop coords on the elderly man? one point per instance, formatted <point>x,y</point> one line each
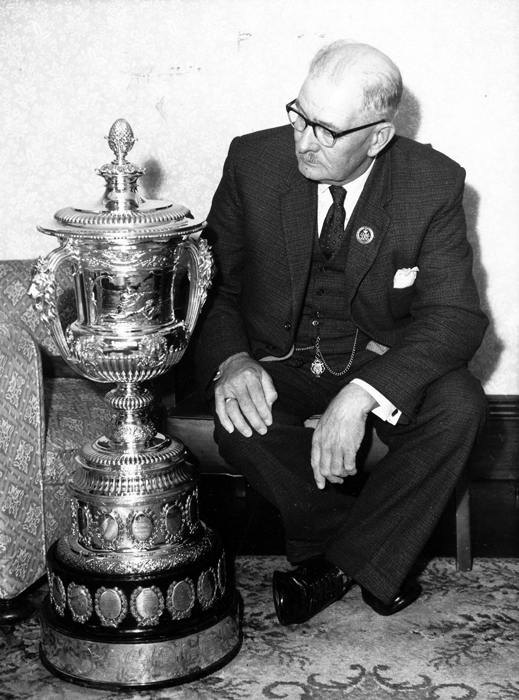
<point>344,289</point>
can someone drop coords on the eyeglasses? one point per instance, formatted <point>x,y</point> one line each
<point>326,137</point>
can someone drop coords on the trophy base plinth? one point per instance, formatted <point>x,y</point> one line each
<point>139,630</point>
<point>113,663</point>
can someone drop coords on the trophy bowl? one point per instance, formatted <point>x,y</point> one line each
<point>138,591</point>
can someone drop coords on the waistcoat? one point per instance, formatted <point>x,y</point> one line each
<point>325,310</point>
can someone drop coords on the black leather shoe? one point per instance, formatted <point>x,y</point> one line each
<point>409,592</point>
<point>311,587</point>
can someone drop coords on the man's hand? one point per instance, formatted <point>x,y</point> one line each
<point>244,395</point>
<point>338,435</point>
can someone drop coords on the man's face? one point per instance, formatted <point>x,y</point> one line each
<point>339,108</point>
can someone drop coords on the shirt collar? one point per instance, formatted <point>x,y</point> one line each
<point>354,187</point>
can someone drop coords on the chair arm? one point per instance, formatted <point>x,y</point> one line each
<point>21,453</point>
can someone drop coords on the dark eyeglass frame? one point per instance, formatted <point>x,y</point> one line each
<point>335,134</point>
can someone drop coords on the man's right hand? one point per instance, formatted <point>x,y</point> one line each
<point>244,394</point>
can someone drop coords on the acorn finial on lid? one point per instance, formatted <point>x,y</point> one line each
<point>121,139</point>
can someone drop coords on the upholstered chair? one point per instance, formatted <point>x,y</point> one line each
<point>21,454</point>
<point>46,413</point>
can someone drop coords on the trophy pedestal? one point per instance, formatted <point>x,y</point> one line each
<point>170,653</point>
<point>139,594</point>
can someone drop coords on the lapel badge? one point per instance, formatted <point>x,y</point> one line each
<point>365,235</point>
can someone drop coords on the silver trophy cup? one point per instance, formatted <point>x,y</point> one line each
<point>138,592</point>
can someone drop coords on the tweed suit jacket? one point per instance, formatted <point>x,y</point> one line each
<point>261,227</point>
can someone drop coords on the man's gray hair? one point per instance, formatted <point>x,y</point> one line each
<point>382,79</point>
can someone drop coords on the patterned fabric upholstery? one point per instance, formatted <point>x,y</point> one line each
<point>21,447</point>
<point>42,424</point>
<point>17,306</point>
<point>76,413</point>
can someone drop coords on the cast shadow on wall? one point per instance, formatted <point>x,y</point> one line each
<point>407,120</point>
<point>486,359</point>
<point>153,179</point>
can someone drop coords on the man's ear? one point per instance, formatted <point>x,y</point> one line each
<point>382,135</point>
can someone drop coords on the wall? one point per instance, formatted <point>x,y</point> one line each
<point>190,74</point>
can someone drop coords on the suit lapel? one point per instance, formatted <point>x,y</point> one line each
<point>369,214</point>
<point>298,206</point>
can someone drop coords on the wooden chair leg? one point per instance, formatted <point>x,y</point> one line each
<point>14,610</point>
<point>463,538</point>
<point>240,486</point>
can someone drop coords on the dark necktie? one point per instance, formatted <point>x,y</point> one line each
<point>333,226</point>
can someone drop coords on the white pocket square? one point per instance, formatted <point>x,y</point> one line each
<point>404,277</point>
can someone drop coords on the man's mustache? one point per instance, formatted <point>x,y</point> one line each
<point>308,156</point>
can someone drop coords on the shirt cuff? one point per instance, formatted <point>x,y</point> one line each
<point>385,409</point>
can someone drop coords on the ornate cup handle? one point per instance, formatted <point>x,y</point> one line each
<point>43,290</point>
<point>200,270</point>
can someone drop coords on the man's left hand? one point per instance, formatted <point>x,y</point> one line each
<point>338,435</point>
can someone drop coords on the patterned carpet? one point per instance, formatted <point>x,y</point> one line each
<point>459,641</point>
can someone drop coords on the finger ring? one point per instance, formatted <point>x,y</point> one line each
<point>230,398</point>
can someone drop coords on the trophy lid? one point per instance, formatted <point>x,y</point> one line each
<point>123,213</point>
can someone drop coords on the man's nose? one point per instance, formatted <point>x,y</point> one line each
<point>307,140</point>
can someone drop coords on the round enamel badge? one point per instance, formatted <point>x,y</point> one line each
<point>365,235</point>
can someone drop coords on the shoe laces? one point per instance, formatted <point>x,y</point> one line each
<point>330,583</point>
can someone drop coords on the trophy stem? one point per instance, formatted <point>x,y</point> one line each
<point>132,429</point>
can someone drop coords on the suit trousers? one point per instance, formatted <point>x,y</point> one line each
<point>373,530</point>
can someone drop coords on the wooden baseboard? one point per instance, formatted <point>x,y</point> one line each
<point>496,455</point>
